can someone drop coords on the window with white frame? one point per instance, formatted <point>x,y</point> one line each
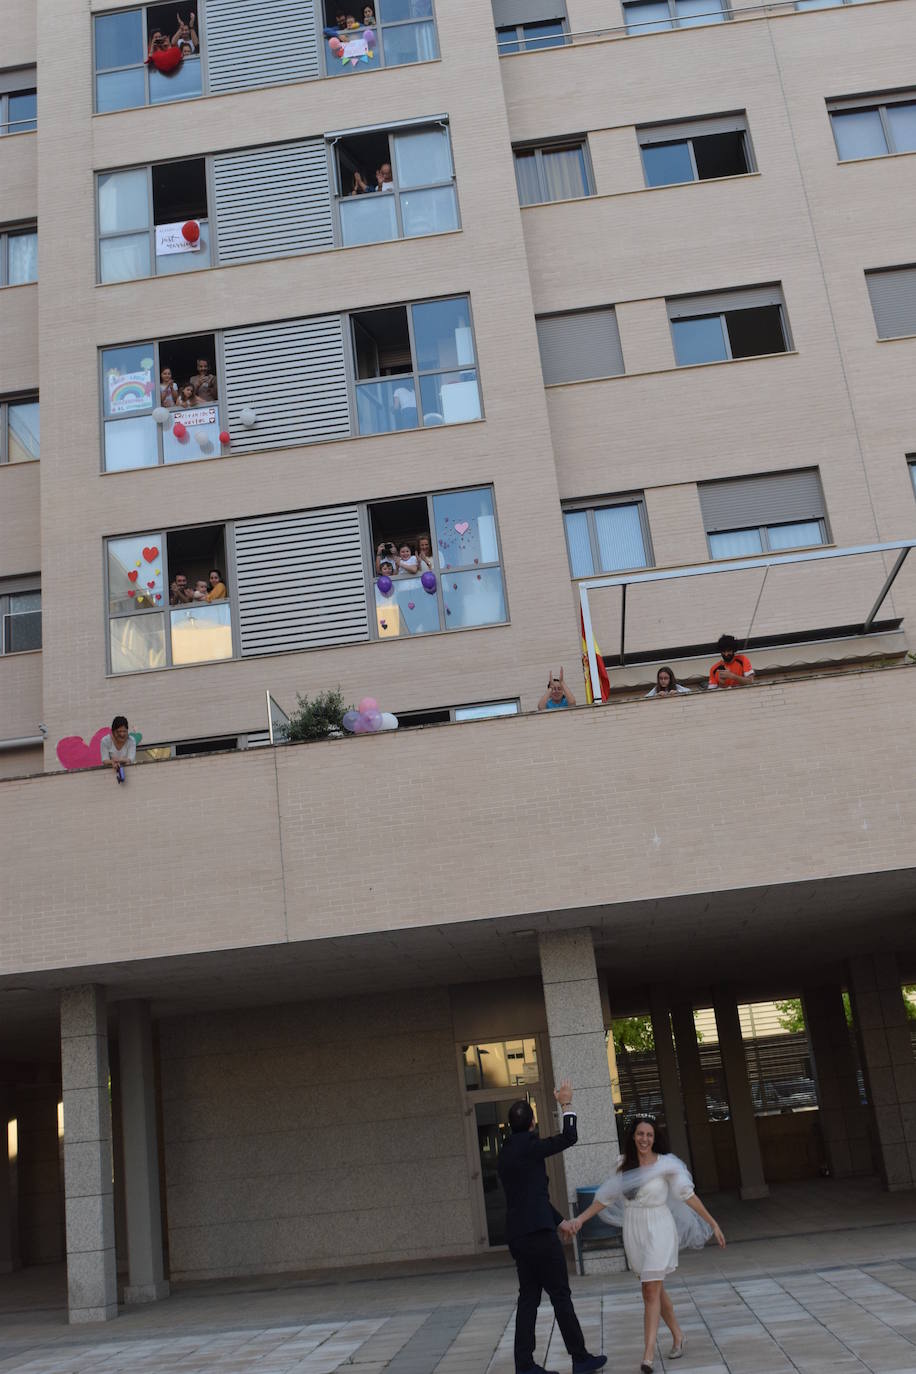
<point>726,325</point>
<point>20,615</point>
<point>18,255</point>
<point>18,101</point>
<point>607,536</point>
<point>153,220</point>
<point>20,430</point>
<point>695,150</point>
<point>874,127</point>
<point>765,514</point>
<point>651,16</point>
<point>386,33</point>
<point>893,299</point>
<point>394,183</point>
<point>579,345</point>
<point>146,56</point>
<point>160,402</point>
<point>554,171</point>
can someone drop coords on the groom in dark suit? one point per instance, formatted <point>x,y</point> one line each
<point>531,1229</point>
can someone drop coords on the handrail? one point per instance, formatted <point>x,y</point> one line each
<point>899,546</point>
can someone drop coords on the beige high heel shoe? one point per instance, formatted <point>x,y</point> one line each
<point>678,1349</point>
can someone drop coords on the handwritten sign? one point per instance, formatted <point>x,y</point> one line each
<point>129,391</point>
<point>170,239</point>
<point>197,415</point>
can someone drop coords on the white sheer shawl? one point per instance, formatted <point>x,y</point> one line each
<point>692,1231</point>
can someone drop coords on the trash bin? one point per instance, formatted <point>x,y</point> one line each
<point>596,1238</point>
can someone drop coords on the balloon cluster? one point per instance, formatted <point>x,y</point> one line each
<point>368,720</point>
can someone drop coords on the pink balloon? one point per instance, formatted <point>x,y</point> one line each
<point>335,45</point>
<point>367,704</point>
<point>373,721</point>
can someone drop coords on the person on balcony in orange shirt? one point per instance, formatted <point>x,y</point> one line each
<point>732,669</point>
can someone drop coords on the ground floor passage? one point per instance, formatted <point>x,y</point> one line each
<point>822,1302</point>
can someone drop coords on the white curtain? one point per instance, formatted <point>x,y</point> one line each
<point>23,258</point>
<point>620,541</point>
<point>564,173</point>
<point>580,549</point>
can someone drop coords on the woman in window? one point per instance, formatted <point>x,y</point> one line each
<point>425,554</point>
<point>217,590</point>
<point>667,685</point>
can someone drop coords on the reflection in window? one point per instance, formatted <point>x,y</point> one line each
<point>20,431</point>
<point>650,16</point>
<point>413,173</point>
<point>201,634</point>
<point>20,613</point>
<point>503,1064</point>
<point>875,130</point>
<point>548,33</point>
<point>19,109</point>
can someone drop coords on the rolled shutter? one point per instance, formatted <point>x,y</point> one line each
<point>252,43</point>
<point>893,299</point>
<point>714,302</point>
<point>271,201</point>
<point>301,583</point>
<point>293,375</point>
<point>580,345</point>
<point>771,499</point>
<point>506,12</point>
<point>692,128</point>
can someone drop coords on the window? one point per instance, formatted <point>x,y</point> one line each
<point>18,101</point>
<point>393,34</point>
<point>415,365</point>
<point>176,379</point>
<point>20,432</point>
<point>143,214</point>
<point>122,40</point>
<point>768,514</point>
<point>436,563</point>
<point>822,4</point>
<point>554,171</point>
<point>727,325</point>
<point>607,538</point>
<point>911,461</point>
<point>411,720</point>
<point>874,128</point>
<point>165,605</point>
<point>412,169</point>
<point>527,25</point>
<point>698,150</point>
<point>20,616</point>
<point>18,256</point>
<point>893,300</point>
<point>650,16</point>
<point>579,346</point>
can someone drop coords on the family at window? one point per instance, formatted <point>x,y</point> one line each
<point>184,38</point>
<point>212,588</point>
<point>343,21</point>
<point>199,390</point>
<point>731,669</point>
<point>384,181</point>
<point>406,558</point>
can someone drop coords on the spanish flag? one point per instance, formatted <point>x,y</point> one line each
<point>602,671</point>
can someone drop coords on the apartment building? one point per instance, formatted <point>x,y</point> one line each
<point>627,331</point>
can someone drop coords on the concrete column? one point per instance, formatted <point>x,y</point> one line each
<point>843,1118</point>
<point>699,1132</point>
<point>91,1267</point>
<point>888,1066</point>
<point>9,1218</point>
<point>577,1047</point>
<point>146,1282</point>
<point>666,1062</point>
<point>741,1106</point>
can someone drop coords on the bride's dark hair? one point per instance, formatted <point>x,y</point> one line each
<point>630,1157</point>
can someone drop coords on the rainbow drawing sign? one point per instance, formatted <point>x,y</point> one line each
<point>129,391</point>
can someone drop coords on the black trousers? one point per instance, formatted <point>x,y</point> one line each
<point>541,1264</point>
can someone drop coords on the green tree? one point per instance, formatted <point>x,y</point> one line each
<point>792,1019</point>
<point>633,1033</point>
<point>318,718</point>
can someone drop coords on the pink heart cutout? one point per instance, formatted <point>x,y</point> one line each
<point>74,752</point>
<point>462,528</point>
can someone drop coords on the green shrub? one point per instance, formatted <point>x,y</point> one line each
<point>318,718</point>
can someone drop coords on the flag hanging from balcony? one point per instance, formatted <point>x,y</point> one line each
<point>603,678</point>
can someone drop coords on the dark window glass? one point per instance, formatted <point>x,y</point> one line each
<point>720,155</point>
<point>23,112</point>
<point>756,330</point>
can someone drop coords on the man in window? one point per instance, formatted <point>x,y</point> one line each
<point>732,669</point>
<point>204,383</point>
<point>180,593</point>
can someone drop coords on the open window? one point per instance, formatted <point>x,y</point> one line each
<point>395,183</point>
<point>697,150</point>
<point>146,56</point>
<point>385,33</point>
<point>177,376</point>
<point>153,220</point>
<point>727,325</point>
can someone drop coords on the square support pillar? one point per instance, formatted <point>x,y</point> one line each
<point>704,1168</point>
<point>741,1106</point>
<point>146,1281</point>
<point>843,1117</point>
<point>9,1191</point>
<point>886,1051</point>
<point>91,1266</point>
<point>578,1049</point>
<point>666,1063</point>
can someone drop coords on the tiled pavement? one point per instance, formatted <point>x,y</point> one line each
<point>827,1302</point>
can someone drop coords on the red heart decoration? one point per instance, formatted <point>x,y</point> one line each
<point>166,60</point>
<point>74,752</point>
<point>151,554</point>
<point>132,575</point>
<point>158,597</point>
<point>151,585</point>
<point>131,593</point>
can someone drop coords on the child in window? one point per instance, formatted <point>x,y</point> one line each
<point>201,588</point>
<point>187,397</point>
<point>168,389</point>
<point>408,562</point>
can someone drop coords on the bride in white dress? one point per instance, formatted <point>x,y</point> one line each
<point>651,1195</point>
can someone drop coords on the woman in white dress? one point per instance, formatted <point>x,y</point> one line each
<point>652,1196</point>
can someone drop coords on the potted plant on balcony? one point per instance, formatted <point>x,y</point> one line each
<point>318,718</point>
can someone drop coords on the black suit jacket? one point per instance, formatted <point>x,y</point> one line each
<point>523,1174</point>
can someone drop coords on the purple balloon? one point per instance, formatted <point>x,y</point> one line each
<point>359,725</point>
<point>349,720</point>
<point>369,36</point>
<point>373,721</point>
<point>384,584</point>
<point>428,581</point>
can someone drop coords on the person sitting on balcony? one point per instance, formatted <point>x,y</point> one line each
<point>557,695</point>
<point>216,590</point>
<point>186,34</point>
<point>118,747</point>
<point>204,384</point>
<point>425,553</point>
<point>168,389</point>
<point>408,562</point>
<point>667,685</point>
<point>732,669</point>
<point>180,593</point>
<point>186,398</point>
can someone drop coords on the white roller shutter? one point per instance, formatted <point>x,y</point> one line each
<point>893,299</point>
<point>272,201</point>
<point>251,43</point>
<point>747,298</point>
<point>771,499</point>
<point>301,583</point>
<point>292,374</point>
<point>578,346</point>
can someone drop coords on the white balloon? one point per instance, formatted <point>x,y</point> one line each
<point>248,417</point>
<point>161,415</point>
<point>201,438</point>
<point>389,722</point>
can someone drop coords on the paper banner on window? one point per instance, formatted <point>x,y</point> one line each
<point>354,49</point>
<point>199,415</point>
<point>170,239</point>
<point>129,391</point>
